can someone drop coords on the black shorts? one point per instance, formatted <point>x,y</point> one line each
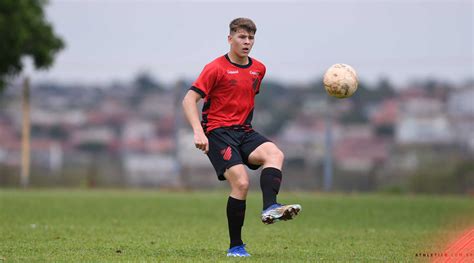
<point>229,147</point>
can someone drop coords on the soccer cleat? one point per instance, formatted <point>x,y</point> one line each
<point>238,251</point>
<point>278,212</point>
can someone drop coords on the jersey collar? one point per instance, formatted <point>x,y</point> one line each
<point>238,65</point>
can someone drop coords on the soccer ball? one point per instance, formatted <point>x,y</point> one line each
<point>340,81</point>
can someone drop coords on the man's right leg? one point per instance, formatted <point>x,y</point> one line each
<point>236,204</point>
<point>225,157</point>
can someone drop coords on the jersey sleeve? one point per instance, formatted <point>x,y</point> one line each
<point>206,81</point>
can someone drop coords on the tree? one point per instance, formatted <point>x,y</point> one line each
<point>25,32</point>
<point>145,83</point>
<point>385,88</point>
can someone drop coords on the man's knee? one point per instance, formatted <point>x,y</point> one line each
<point>275,155</point>
<point>242,185</point>
<point>238,178</point>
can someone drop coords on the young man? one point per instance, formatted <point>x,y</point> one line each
<point>229,85</point>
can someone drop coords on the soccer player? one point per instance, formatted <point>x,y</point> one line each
<point>228,85</point>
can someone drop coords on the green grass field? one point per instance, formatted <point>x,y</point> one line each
<point>138,226</point>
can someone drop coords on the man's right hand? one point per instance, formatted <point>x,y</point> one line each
<point>190,110</point>
<point>201,141</point>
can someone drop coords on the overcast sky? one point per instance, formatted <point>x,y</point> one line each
<point>402,40</point>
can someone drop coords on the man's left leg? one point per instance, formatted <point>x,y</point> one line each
<point>271,158</point>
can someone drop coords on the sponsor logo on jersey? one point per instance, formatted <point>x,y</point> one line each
<point>232,71</point>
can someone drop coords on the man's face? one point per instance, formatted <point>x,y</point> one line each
<point>241,42</point>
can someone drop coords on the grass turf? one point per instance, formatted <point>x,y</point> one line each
<point>111,226</point>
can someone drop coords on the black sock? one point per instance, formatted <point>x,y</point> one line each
<point>270,181</point>
<point>235,219</point>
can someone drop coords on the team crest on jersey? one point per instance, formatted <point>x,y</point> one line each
<point>232,71</point>
<point>256,73</point>
<point>255,84</point>
<point>227,153</point>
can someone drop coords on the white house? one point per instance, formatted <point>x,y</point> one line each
<point>151,169</point>
<point>423,121</point>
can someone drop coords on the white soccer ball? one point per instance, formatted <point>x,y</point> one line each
<point>340,81</point>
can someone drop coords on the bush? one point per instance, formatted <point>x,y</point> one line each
<point>448,176</point>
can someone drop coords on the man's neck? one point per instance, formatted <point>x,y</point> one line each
<point>238,60</point>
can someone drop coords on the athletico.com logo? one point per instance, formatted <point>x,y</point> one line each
<point>460,250</point>
<point>443,254</point>
<point>227,153</point>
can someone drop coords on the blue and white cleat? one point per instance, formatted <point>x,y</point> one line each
<point>278,212</point>
<point>238,251</point>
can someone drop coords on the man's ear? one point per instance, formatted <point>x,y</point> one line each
<point>229,38</point>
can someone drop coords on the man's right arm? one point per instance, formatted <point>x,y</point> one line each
<point>191,111</point>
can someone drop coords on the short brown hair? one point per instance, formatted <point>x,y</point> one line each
<point>242,23</point>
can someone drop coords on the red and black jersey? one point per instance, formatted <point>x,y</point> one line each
<point>229,91</point>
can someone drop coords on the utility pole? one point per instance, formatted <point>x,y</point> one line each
<point>328,143</point>
<point>25,135</point>
<point>178,123</point>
